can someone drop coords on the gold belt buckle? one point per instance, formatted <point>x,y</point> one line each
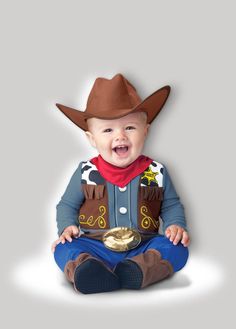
<point>121,238</point>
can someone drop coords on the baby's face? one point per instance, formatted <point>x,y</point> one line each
<point>119,141</point>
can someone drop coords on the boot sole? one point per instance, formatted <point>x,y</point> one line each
<point>94,277</point>
<point>129,274</point>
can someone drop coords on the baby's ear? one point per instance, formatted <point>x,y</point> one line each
<point>147,129</point>
<point>90,138</point>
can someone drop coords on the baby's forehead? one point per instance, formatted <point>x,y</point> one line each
<point>135,116</point>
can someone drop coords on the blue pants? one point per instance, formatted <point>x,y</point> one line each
<point>176,255</point>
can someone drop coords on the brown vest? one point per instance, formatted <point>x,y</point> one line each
<point>94,213</point>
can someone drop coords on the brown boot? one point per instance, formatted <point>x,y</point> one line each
<point>142,270</point>
<point>72,264</point>
<point>90,275</point>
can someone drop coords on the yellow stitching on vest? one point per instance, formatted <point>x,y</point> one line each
<point>147,220</point>
<point>150,176</point>
<point>91,221</point>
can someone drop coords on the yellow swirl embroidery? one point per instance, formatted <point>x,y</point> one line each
<point>147,220</point>
<point>91,221</point>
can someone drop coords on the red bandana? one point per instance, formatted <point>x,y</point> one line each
<point>121,176</point>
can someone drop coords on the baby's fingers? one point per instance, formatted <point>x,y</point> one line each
<point>66,236</point>
<point>55,243</point>
<point>75,231</point>
<point>168,233</point>
<point>177,237</point>
<point>185,239</point>
<point>173,233</point>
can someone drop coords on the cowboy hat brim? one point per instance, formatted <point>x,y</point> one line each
<point>152,105</point>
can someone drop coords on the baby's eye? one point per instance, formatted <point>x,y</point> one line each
<point>108,130</point>
<point>130,128</point>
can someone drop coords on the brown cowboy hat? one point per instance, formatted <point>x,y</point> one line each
<point>115,98</point>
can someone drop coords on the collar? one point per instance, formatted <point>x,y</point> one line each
<point>121,176</point>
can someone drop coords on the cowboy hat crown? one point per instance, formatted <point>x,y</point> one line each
<point>115,98</point>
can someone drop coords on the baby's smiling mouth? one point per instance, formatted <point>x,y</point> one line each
<point>120,149</point>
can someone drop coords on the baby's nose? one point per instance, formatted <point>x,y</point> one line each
<point>120,136</point>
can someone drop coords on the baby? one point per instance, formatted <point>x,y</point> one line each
<point>119,193</point>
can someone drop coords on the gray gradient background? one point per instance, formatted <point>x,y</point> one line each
<point>50,52</point>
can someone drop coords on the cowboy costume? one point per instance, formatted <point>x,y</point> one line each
<point>118,209</point>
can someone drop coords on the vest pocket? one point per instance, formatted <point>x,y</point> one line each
<point>93,213</point>
<point>150,198</point>
<point>151,193</point>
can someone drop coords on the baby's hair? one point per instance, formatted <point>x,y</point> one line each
<point>144,115</point>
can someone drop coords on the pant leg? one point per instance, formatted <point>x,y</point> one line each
<point>176,255</point>
<point>71,250</point>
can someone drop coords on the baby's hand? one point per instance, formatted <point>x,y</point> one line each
<point>176,233</point>
<point>67,234</point>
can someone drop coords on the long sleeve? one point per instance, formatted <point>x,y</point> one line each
<point>70,203</point>
<point>172,211</point>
